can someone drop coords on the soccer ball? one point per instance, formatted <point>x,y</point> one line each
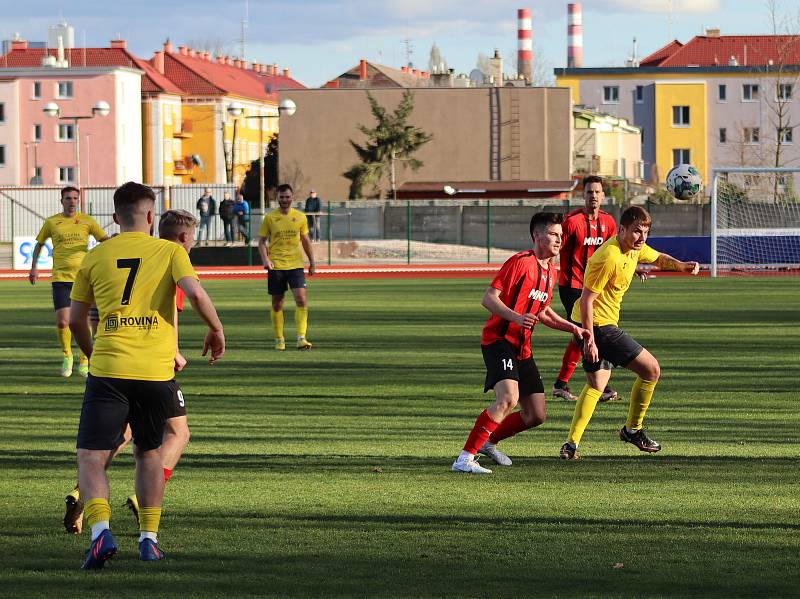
<point>684,182</point>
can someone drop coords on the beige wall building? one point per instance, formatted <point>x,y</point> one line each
<point>479,134</point>
<point>607,145</point>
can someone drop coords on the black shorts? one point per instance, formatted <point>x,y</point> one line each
<point>279,280</point>
<point>108,404</point>
<point>178,405</point>
<point>569,295</point>
<point>615,346</point>
<point>61,291</point>
<point>502,363</point>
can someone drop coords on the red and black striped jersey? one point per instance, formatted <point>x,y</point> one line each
<point>526,287</point>
<point>582,236</point>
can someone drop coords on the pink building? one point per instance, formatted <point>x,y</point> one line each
<point>33,144</point>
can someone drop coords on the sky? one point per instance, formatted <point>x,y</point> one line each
<point>318,40</point>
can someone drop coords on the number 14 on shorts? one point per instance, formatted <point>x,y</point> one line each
<point>508,363</point>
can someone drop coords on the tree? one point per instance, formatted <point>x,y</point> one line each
<point>392,139</point>
<point>436,63</point>
<point>252,176</point>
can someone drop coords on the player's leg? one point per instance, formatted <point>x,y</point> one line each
<point>276,287</point>
<point>297,283</point>
<point>648,371</point>
<point>572,353</point>
<point>103,416</point>
<point>92,321</point>
<point>61,303</point>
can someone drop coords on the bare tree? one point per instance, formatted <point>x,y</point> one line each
<point>541,69</point>
<point>436,62</point>
<point>216,46</point>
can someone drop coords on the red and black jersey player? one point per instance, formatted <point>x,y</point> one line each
<point>518,298</point>
<point>585,230</point>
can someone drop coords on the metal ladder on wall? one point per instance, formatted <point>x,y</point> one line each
<point>515,143</point>
<point>495,126</point>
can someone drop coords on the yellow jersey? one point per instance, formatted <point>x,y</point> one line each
<point>70,235</point>
<point>609,273</point>
<point>283,232</point>
<point>132,279</point>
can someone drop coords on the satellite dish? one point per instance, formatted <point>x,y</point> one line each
<point>477,77</point>
<point>198,161</point>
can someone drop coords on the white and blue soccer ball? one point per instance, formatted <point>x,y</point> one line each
<point>684,182</point>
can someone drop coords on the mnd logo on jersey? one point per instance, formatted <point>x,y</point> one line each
<point>593,241</point>
<point>114,322</point>
<point>539,296</point>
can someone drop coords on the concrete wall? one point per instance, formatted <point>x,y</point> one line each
<point>315,139</point>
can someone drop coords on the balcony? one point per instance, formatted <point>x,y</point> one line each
<point>185,130</point>
<point>183,166</point>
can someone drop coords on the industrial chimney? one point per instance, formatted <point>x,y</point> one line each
<point>524,43</point>
<point>574,36</point>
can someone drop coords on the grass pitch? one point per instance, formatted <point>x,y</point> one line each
<point>326,473</point>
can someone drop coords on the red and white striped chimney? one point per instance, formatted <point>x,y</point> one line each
<point>574,36</point>
<point>524,43</point>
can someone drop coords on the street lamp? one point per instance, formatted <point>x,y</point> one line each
<point>287,107</point>
<point>101,108</point>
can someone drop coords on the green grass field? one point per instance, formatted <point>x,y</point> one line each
<point>326,473</point>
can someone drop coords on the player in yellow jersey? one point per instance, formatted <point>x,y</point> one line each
<point>608,275</point>
<point>282,233</point>
<point>132,280</point>
<point>69,230</point>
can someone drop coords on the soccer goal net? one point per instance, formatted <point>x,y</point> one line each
<point>755,221</point>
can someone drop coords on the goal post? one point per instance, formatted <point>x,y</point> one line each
<point>755,220</point>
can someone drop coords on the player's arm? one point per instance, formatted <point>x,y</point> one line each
<point>492,302</point>
<point>263,249</point>
<point>78,313</point>
<point>550,318</point>
<point>587,321</point>
<point>33,275</point>
<point>309,250</point>
<point>202,305</point>
<point>180,360</point>
<point>667,262</point>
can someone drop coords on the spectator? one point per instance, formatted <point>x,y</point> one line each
<point>312,209</point>
<point>207,207</point>
<point>242,211</point>
<point>228,218</point>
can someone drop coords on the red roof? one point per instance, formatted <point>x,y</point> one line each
<point>152,80</point>
<point>748,50</point>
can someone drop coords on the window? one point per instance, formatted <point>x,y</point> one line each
<point>681,156</point>
<point>66,132</point>
<point>2,113</point>
<point>37,90</point>
<point>37,173</point>
<point>750,92</point>
<point>784,92</point>
<point>680,116</point>
<point>751,135</point>
<point>785,135</point>
<point>723,135</point>
<point>37,133</point>
<point>66,174</point>
<point>722,92</point>
<point>610,94</point>
<point>640,94</point>
<point>2,155</point>
<point>64,89</point>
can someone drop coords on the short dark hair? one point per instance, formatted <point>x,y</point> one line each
<point>544,219</point>
<point>69,188</point>
<point>589,179</point>
<point>127,197</point>
<point>285,187</point>
<point>173,222</point>
<point>635,214</point>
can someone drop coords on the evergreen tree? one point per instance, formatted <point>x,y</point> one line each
<point>251,177</point>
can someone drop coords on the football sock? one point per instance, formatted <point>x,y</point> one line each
<point>65,339</point>
<point>572,355</point>
<point>75,493</point>
<point>301,321</point>
<point>98,515</point>
<point>149,519</point>
<point>641,395</point>
<point>510,426</point>
<point>584,408</point>
<point>84,359</point>
<point>277,323</point>
<point>167,474</point>
<point>484,426</point>
<point>148,535</point>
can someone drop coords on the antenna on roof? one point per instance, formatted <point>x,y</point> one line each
<point>409,50</point>
<point>243,40</point>
<point>669,8</point>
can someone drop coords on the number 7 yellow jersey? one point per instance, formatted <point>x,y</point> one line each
<point>132,280</point>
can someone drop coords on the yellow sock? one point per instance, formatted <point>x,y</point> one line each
<point>84,358</point>
<point>149,519</point>
<point>301,320</point>
<point>65,339</point>
<point>97,510</point>
<point>641,395</point>
<point>584,408</point>
<point>76,493</point>
<point>277,323</point>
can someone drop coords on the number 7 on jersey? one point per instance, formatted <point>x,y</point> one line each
<point>133,264</point>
